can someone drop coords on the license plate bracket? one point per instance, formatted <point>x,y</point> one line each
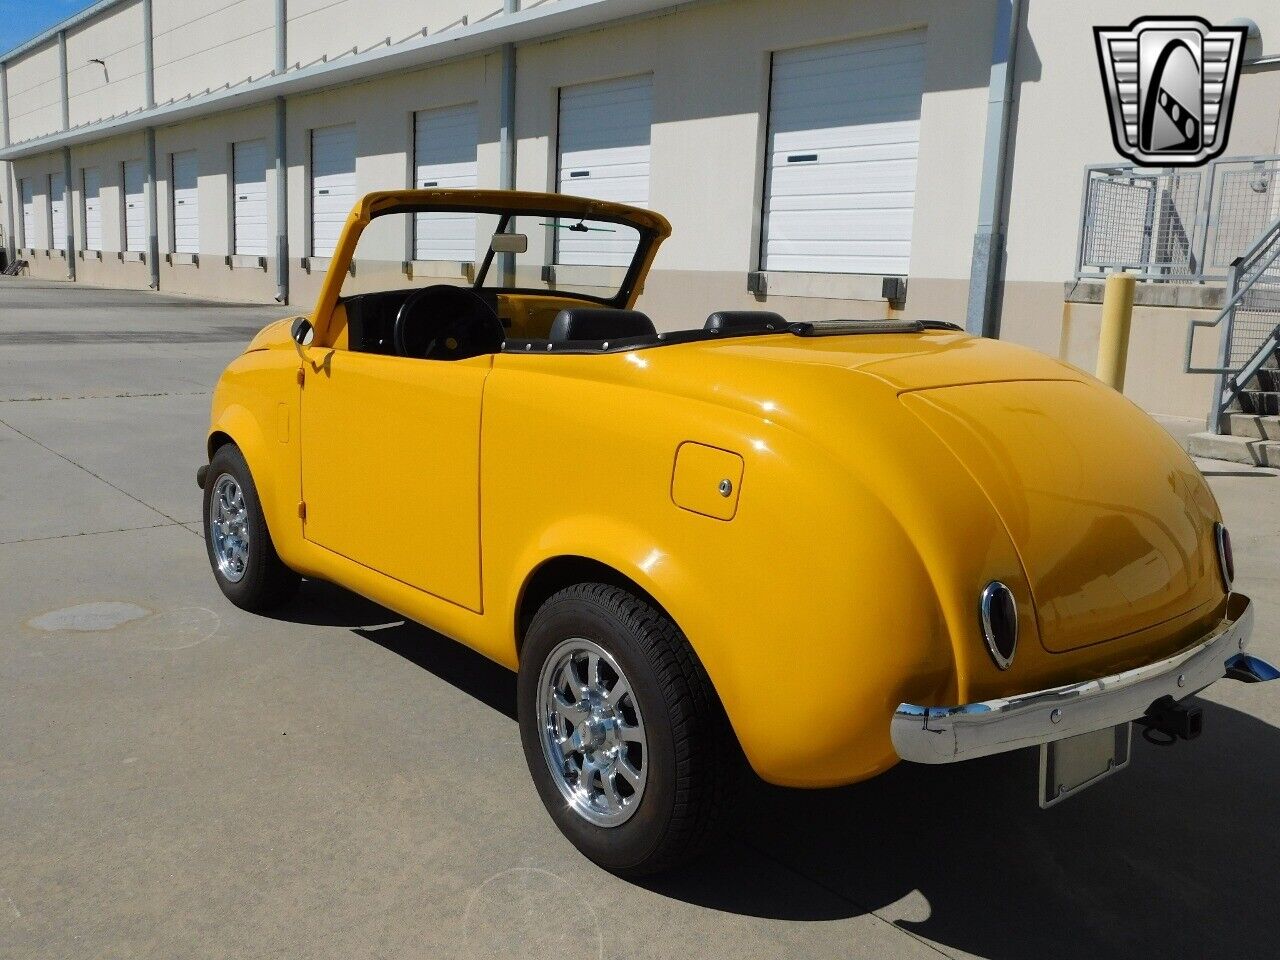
<point>1071,765</point>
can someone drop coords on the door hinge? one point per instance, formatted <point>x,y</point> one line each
<point>302,376</point>
<point>302,510</point>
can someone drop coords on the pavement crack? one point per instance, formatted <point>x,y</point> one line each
<point>105,396</point>
<point>90,533</point>
<point>80,466</point>
<point>840,895</point>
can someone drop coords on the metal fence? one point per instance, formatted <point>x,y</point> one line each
<point>1175,225</point>
<point>1143,221</point>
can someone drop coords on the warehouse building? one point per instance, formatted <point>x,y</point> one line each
<point>821,158</point>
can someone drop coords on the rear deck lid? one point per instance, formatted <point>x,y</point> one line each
<point>1102,506</point>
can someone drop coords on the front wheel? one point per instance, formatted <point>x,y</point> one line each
<point>623,734</point>
<point>245,563</point>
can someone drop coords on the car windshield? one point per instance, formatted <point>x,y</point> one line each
<point>535,252</point>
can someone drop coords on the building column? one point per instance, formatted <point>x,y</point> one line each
<point>987,267</point>
<point>11,241</point>
<point>282,166</point>
<point>66,159</point>
<point>149,87</point>
<point>68,213</point>
<point>507,137</point>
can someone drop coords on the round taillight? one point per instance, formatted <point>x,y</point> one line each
<point>999,617</point>
<point>1226,561</point>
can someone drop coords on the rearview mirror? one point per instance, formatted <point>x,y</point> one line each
<point>509,243</point>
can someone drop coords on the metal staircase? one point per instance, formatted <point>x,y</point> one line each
<point>1244,418</point>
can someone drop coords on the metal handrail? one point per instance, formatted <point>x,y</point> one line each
<point>1230,380</point>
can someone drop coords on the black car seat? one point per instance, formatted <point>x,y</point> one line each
<point>733,322</point>
<point>600,323</point>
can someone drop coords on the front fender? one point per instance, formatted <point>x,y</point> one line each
<point>253,406</point>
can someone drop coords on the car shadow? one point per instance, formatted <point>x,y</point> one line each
<point>1174,857</point>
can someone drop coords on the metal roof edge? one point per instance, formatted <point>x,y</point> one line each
<point>40,39</point>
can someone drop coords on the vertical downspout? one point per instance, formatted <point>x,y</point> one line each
<point>282,169</point>
<point>986,268</point>
<point>11,241</point>
<point>149,83</point>
<point>67,215</point>
<point>506,136</point>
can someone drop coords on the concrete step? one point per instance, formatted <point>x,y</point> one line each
<point>1268,380</point>
<point>1221,446</point>
<point>1252,426</point>
<point>1260,402</point>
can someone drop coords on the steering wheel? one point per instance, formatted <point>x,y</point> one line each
<point>444,322</point>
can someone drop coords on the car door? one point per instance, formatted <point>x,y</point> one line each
<point>391,464</point>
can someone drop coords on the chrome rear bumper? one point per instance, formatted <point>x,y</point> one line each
<point>950,734</point>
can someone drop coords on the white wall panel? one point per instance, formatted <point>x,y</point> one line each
<point>186,202</point>
<point>604,134</point>
<point>249,196</point>
<point>28,191</point>
<point>844,133</point>
<point>333,185</point>
<point>445,146</point>
<point>135,206</point>
<point>57,212</point>
<point>92,201</point>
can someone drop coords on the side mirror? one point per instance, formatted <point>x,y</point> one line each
<point>509,243</point>
<point>302,331</point>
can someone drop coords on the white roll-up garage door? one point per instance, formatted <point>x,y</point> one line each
<point>604,153</point>
<point>135,206</point>
<point>186,204</point>
<point>28,213</point>
<point>92,209</point>
<point>333,185</point>
<point>444,152</point>
<point>249,176</point>
<point>844,131</point>
<point>57,212</point>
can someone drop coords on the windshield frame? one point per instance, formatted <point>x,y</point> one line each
<point>652,228</point>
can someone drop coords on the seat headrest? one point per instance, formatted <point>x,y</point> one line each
<point>600,323</point>
<point>744,321</point>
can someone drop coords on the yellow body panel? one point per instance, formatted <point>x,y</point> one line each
<point>869,512</point>
<point>389,466</point>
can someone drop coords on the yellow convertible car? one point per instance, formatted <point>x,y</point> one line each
<point>826,547</point>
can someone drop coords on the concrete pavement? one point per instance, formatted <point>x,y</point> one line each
<point>179,778</point>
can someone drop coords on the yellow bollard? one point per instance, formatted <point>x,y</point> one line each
<point>1113,342</point>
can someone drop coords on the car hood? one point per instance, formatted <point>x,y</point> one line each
<point>1112,522</point>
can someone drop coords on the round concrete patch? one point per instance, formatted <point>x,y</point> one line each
<point>89,617</point>
<point>521,913</point>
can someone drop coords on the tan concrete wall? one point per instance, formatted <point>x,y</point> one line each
<point>1062,125</point>
<point>35,93</point>
<point>206,46</point>
<point>385,138</point>
<point>97,91</point>
<point>320,27</point>
<point>109,157</point>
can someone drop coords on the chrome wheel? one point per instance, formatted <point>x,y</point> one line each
<point>593,736</point>
<point>229,527</point>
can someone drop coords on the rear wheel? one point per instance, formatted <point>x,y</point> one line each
<point>244,560</point>
<point>623,734</point>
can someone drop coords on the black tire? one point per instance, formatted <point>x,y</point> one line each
<point>690,748</point>
<point>266,582</point>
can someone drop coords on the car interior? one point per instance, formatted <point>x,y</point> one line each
<point>450,322</point>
